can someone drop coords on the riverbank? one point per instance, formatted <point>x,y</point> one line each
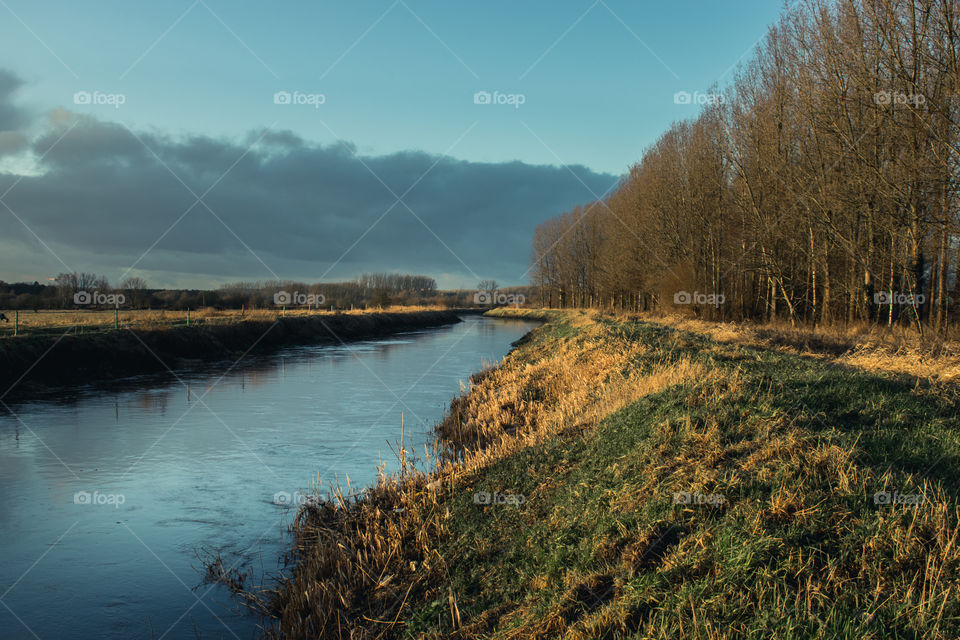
<point>618,477</point>
<point>36,364</point>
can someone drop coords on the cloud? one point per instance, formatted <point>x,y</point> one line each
<point>270,204</point>
<point>12,118</point>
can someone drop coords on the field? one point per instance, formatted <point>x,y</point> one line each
<point>80,321</point>
<point>625,477</point>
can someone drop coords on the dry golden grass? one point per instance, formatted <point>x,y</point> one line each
<point>867,347</point>
<point>353,555</point>
<point>104,319</point>
<point>799,545</point>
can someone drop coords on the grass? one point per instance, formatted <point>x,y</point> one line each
<point>655,482</point>
<point>869,347</point>
<point>55,321</point>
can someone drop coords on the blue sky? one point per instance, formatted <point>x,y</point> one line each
<point>596,97</point>
<point>597,81</point>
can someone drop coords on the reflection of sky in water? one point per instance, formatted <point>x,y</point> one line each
<point>198,464</point>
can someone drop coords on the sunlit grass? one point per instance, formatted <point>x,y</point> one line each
<point>598,422</point>
<point>53,320</point>
<point>871,347</point>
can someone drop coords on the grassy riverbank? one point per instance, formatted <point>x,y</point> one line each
<point>84,321</point>
<point>619,477</point>
<point>34,364</point>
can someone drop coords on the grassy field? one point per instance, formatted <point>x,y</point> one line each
<point>56,321</point>
<point>617,477</point>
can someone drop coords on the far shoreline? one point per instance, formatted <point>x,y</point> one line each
<point>32,367</point>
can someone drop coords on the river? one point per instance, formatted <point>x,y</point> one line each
<point>108,493</point>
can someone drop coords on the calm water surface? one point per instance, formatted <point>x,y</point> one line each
<point>108,494</point>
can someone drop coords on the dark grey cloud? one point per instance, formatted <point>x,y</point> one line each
<point>12,118</point>
<point>107,194</point>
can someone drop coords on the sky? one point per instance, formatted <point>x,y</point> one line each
<point>199,142</point>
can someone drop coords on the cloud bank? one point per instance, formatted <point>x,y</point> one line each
<point>92,195</point>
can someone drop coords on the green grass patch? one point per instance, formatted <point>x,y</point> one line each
<point>745,512</point>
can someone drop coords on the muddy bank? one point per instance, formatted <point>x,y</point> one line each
<point>31,366</point>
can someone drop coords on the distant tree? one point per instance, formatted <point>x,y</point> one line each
<point>70,284</point>
<point>487,285</point>
<point>135,289</point>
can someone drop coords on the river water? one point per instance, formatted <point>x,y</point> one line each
<point>108,494</point>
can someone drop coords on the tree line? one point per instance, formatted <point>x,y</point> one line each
<point>819,186</point>
<point>366,291</point>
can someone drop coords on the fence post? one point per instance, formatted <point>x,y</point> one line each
<point>16,323</point>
